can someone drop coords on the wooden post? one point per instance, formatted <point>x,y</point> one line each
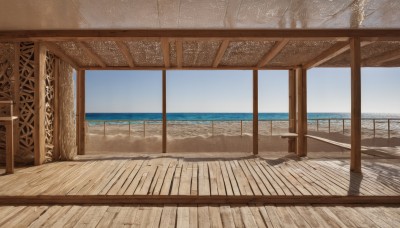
<point>374,127</point>
<point>39,128</point>
<point>343,125</point>
<point>271,126</point>
<point>80,109</point>
<point>164,111</point>
<point>57,95</point>
<point>388,128</point>
<point>10,147</point>
<point>301,76</point>
<point>317,124</point>
<point>292,110</point>
<point>212,127</point>
<point>144,128</point>
<point>241,127</point>
<point>255,112</point>
<point>355,55</point>
<point>104,128</point>
<point>329,126</point>
<point>129,128</point>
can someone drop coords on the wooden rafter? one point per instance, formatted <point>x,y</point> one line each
<point>179,53</point>
<point>279,45</point>
<point>61,54</point>
<point>165,50</point>
<point>126,53</point>
<point>53,35</point>
<point>382,58</point>
<point>330,53</point>
<point>92,55</point>
<point>221,51</point>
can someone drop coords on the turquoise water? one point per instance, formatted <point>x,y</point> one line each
<point>221,116</point>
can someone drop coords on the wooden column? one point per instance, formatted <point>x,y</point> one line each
<point>164,111</point>
<point>39,97</point>
<point>57,95</point>
<point>80,111</point>
<point>301,80</point>
<point>255,112</point>
<point>292,110</point>
<point>355,54</point>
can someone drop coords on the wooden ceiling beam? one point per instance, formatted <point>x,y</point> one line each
<point>186,68</point>
<point>221,51</point>
<point>165,51</point>
<point>125,52</point>
<point>47,35</point>
<point>92,55</point>
<point>330,53</point>
<point>52,47</point>
<point>382,58</point>
<point>279,45</point>
<point>179,53</point>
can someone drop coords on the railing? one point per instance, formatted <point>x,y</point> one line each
<point>372,127</point>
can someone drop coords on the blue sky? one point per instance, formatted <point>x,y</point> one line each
<point>231,91</point>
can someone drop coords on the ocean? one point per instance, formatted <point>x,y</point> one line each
<point>221,116</point>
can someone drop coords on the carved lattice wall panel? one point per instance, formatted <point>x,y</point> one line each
<point>49,106</point>
<point>66,111</point>
<point>26,94</point>
<point>6,86</point>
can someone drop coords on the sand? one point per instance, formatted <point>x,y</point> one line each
<point>226,136</point>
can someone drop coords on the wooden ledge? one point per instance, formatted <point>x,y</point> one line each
<point>134,199</point>
<point>288,135</point>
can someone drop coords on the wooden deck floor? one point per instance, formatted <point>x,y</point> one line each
<point>174,178</point>
<point>199,216</point>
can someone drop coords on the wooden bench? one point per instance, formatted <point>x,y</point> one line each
<point>8,120</point>
<point>335,143</point>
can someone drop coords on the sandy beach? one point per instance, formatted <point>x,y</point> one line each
<point>228,136</point>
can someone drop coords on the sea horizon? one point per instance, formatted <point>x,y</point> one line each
<point>225,116</point>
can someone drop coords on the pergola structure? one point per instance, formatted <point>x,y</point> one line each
<point>229,36</point>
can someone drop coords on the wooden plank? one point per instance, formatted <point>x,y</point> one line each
<point>255,112</point>
<point>109,34</point>
<point>91,54</point>
<point>301,78</point>
<point>382,58</point>
<point>39,103</point>
<point>292,110</point>
<point>275,50</point>
<point>126,53</point>
<point>55,49</point>
<point>221,51</point>
<point>165,51</point>
<point>355,55</point>
<point>164,111</point>
<point>81,112</point>
<point>330,53</point>
<point>179,53</point>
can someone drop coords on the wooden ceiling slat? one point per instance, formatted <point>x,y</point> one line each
<point>279,45</point>
<point>92,55</point>
<point>328,54</point>
<point>126,53</point>
<point>52,47</point>
<point>179,53</point>
<point>382,58</point>
<point>165,51</point>
<point>221,51</point>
